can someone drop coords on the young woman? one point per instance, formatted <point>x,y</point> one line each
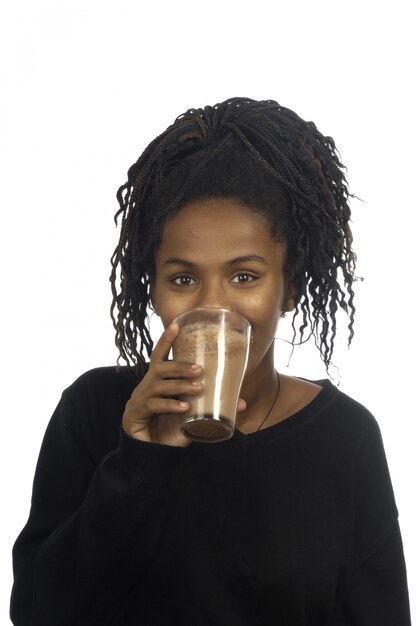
<point>292,521</point>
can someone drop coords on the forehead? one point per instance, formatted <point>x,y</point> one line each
<point>215,229</point>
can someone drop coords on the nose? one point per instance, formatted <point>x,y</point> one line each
<point>214,296</point>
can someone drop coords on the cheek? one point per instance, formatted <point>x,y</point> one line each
<point>168,315</point>
<point>165,307</point>
<point>168,310</point>
<point>265,312</point>
<point>264,323</point>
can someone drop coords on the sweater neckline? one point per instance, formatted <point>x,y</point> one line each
<point>297,420</point>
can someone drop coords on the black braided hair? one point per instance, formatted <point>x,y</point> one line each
<point>273,161</point>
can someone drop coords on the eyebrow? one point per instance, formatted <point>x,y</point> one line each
<point>176,261</point>
<point>240,259</point>
<point>246,258</point>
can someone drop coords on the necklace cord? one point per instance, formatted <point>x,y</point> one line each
<point>274,401</point>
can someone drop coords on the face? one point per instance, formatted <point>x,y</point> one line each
<point>219,253</point>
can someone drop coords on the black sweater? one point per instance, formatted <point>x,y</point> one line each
<point>295,525</point>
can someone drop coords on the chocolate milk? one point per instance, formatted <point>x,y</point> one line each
<point>222,352</point>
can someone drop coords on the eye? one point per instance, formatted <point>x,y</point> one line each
<point>243,277</point>
<point>183,280</point>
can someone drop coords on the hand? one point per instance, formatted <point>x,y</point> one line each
<point>151,414</point>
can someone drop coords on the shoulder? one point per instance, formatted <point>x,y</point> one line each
<point>341,416</point>
<point>102,383</point>
<point>112,374</point>
<point>91,408</point>
<point>356,417</point>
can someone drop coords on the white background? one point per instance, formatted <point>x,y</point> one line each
<point>85,85</point>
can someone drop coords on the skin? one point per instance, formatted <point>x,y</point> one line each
<point>216,253</point>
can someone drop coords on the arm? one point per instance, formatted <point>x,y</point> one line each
<point>377,593</point>
<point>94,521</point>
<point>92,528</point>
<point>96,516</point>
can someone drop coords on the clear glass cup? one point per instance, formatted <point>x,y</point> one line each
<point>218,340</point>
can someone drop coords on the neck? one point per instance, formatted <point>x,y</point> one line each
<point>258,391</point>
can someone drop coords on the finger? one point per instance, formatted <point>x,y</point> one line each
<point>143,408</point>
<point>177,369</point>
<point>157,406</point>
<point>173,387</point>
<point>241,405</point>
<point>164,345</point>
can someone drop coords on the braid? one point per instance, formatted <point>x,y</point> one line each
<point>276,163</point>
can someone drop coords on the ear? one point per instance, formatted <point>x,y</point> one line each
<point>290,298</point>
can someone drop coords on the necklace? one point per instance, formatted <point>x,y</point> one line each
<point>274,402</point>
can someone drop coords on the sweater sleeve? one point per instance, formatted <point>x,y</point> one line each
<point>93,526</point>
<point>377,592</point>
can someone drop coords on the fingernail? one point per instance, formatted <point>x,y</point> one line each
<point>195,367</point>
<point>184,404</point>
